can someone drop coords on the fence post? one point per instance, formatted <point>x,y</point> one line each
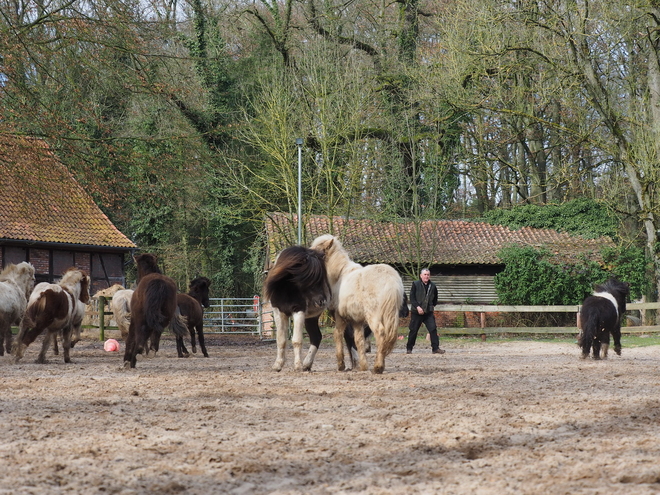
<point>482,322</point>
<point>102,318</point>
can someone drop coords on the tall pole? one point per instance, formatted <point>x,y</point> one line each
<point>299,142</point>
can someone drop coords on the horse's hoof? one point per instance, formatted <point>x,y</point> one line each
<point>617,350</point>
<point>307,367</point>
<point>194,349</point>
<point>584,356</point>
<point>277,367</point>
<point>378,370</point>
<point>206,354</point>
<point>341,367</point>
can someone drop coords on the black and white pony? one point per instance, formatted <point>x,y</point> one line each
<point>600,317</point>
<point>297,286</point>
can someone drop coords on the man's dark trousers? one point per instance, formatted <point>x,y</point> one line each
<point>416,321</point>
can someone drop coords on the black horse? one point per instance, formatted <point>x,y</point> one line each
<point>600,317</point>
<point>297,286</point>
<point>192,306</point>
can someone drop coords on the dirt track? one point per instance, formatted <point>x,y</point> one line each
<point>523,417</point>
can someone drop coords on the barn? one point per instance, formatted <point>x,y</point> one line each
<point>48,219</point>
<point>461,255</point>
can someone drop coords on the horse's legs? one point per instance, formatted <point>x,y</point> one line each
<point>616,334</point>
<point>297,338</point>
<point>41,358</point>
<point>200,334</point>
<point>56,349</point>
<point>193,344</point>
<point>66,344</point>
<point>282,328</point>
<point>314,332</point>
<point>132,349</point>
<point>595,346</point>
<point>358,334</point>
<point>5,336</point>
<point>340,327</point>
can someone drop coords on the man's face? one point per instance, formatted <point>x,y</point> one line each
<point>425,276</point>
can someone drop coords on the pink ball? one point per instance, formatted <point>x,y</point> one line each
<point>111,345</point>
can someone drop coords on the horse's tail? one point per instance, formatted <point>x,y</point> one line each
<point>179,324</point>
<point>591,323</point>
<point>389,316</point>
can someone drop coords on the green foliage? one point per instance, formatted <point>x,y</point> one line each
<point>582,216</point>
<point>530,277</point>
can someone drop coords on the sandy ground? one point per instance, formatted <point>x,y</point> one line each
<point>486,417</point>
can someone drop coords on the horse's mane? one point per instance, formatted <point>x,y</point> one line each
<point>147,263</point>
<point>75,276</point>
<point>11,271</point>
<point>298,266</point>
<point>199,282</point>
<point>613,286</point>
<point>337,259</point>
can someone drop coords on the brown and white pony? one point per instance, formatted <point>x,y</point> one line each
<point>361,295</point>
<point>192,306</point>
<point>16,284</point>
<point>153,307</point>
<point>53,308</point>
<point>297,286</point>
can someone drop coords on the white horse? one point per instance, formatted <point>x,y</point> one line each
<point>53,308</point>
<point>16,283</point>
<point>370,295</point>
<point>121,309</point>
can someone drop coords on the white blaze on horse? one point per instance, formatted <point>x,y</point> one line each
<point>297,286</point>
<point>16,284</point>
<point>361,295</point>
<point>53,308</point>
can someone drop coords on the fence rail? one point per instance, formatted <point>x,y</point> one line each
<point>483,309</point>
<point>248,316</point>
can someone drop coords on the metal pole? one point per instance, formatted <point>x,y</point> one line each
<point>299,142</point>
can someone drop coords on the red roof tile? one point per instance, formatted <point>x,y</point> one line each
<point>436,242</point>
<point>40,201</point>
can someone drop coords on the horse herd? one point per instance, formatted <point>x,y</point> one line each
<point>303,283</point>
<point>58,310</point>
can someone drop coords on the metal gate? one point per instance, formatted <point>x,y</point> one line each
<point>238,315</point>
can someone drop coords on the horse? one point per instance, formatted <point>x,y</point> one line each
<point>153,307</point>
<point>349,333</point>
<point>53,308</point>
<point>370,295</point>
<point>16,284</point>
<point>297,286</point>
<point>76,326</point>
<point>191,306</point>
<point>121,310</point>
<point>600,317</point>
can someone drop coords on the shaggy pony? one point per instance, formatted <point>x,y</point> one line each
<point>16,284</point>
<point>121,310</point>
<point>600,317</point>
<point>361,295</point>
<point>53,308</point>
<point>297,286</point>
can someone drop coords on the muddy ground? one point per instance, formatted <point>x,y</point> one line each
<point>486,417</point>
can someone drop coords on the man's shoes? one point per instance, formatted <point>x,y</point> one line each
<point>408,351</point>
<point>438,351</point>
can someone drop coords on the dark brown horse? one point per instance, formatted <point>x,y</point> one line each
<point>53,308</point>
<point>297,286</point>
<point>153,307</point>
<point>191,306</point>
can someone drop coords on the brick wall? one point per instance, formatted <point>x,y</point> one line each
<point>40,259</point>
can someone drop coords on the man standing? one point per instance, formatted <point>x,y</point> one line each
<point>423,297</point>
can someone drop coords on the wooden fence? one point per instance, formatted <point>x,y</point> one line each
<point>103,317</point>
<point>483,309</point>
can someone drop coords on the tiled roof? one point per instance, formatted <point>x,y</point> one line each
<point>40,201</point>
<point>436,242</point>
